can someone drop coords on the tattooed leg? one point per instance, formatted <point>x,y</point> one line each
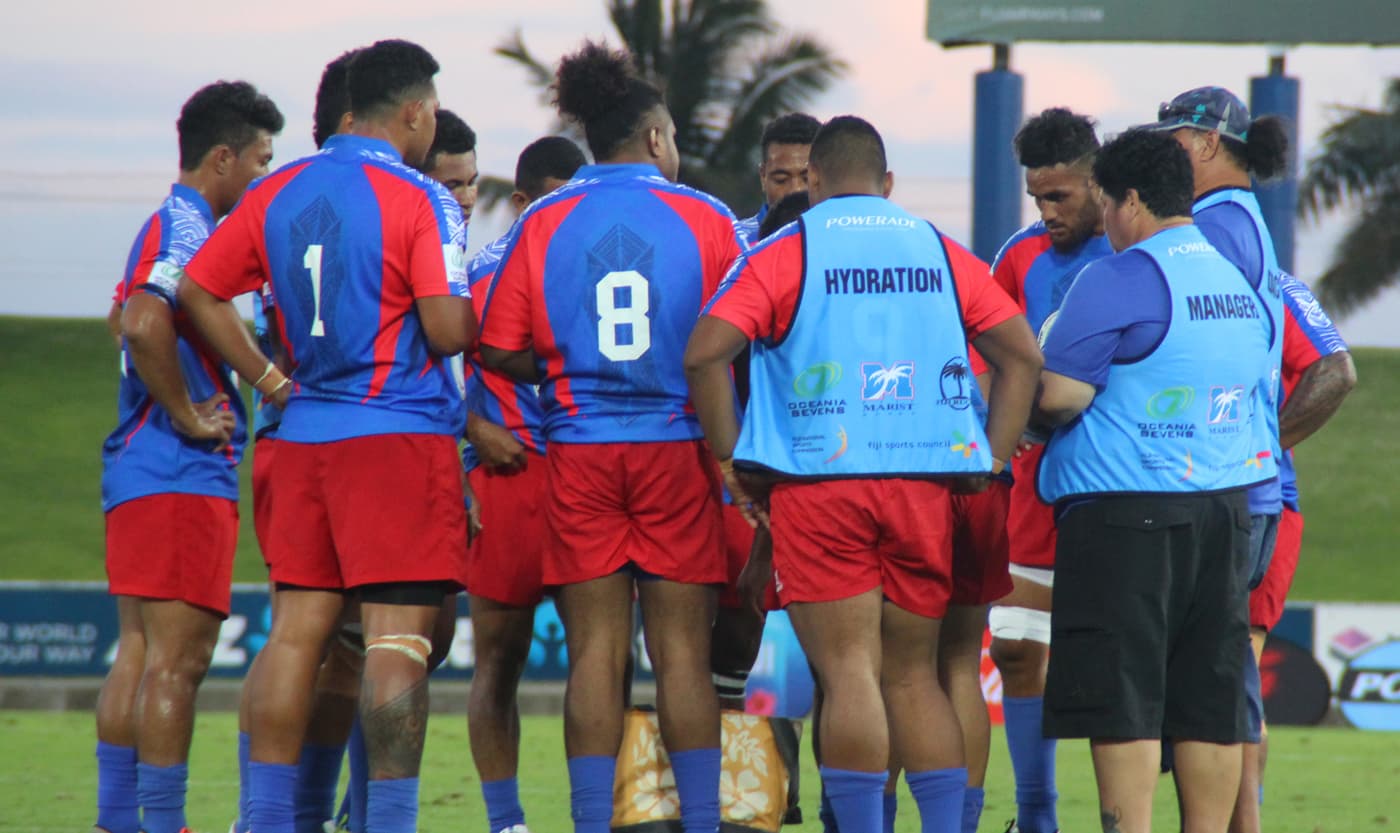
<point>1126,772</point>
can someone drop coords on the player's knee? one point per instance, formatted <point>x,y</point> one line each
<point>411,646</point>
<point>181,666</point>
<point>1011,655</point>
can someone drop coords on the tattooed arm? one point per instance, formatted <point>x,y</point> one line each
<point>1317,396</point>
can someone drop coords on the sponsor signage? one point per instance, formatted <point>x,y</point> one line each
<point>1358,645</point>
<point>960,22</point>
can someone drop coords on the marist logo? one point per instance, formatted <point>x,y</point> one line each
<point>1225,403</point>
<point>880,382</point>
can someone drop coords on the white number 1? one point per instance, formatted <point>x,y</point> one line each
<point>312,261</point>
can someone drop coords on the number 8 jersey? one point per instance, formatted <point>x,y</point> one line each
<point>349,239</point>
<point>605,278</point>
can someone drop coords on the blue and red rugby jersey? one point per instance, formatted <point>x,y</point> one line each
<point>348,239</point>
<point>605,278</point>
<point>1037,275</point>
<point>145,455</point>
<point>1308,335</point>
<point>495,396</point>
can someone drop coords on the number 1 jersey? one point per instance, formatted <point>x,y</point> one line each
<point>604,279</point>
<point>349,239</point>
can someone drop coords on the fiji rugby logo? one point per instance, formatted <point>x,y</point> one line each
<point>817,379</point>
<point>953,382</point>
<point>880,382</point>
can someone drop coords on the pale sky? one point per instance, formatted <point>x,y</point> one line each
<point>89,92</point>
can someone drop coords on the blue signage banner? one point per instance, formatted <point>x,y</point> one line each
<point>69,629</point>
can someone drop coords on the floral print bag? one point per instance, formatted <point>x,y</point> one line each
<point>757,784</point>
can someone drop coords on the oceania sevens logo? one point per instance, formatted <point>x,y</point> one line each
<point>817,379</point>
<point>1169,402</point>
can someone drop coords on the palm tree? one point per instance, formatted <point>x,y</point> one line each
<point>1359,164</point>
<point>727,69</point>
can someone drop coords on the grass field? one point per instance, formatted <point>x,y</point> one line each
<point>1319,780</point>
<point>59,377</point>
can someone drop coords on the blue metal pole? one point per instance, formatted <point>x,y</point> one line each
<point>996,174</point>
<point>1276,94</point>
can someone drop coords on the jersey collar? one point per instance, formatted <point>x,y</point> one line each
<point>629,170</point>
<point>194,198</point>
<point>363,144</point>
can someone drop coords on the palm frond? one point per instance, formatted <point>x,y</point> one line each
<point>779,80</point>
<point>1359,156</point>
<point>491,191</point>
<point>1366,260</point>
<point>514,48</point>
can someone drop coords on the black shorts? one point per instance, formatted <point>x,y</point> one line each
<point>1150,621</point>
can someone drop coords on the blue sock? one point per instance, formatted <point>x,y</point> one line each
<point>891,809</point>
<point>857,798</point>
<point>357,790</point>
<point>826,814</point>
<point>318,774</point>
<point>393,806</point>
<point>973,800</point>
<point>161,791</point>
<point>240,824</point>
<point>271,797</point>
<point>697,783</point>
<point>502,804</point>
<point>1033,760</point>
<point>939,794</point>
<point>591,792</point>
<point>118,809</point>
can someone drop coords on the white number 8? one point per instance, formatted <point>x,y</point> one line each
<point>611,317</point>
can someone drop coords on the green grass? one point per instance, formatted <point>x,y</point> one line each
<point>59,377</point>
<point>1320,780</point>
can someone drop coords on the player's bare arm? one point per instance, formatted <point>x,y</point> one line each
<point>1061,399</point>
<point>114,323</point>
<point>713,346</point>
<point>448,322</point>
<point>521,365</point>
<point>1011,351</point>
<point>498,448</point>
<point>149,327</point>
<point>221,325</point>
<point>1317,396</point>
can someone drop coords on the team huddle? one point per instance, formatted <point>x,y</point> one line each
<point>830,408</point>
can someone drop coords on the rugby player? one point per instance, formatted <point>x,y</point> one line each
<point>505,464</point>
<point>1318,373</point>
<point>748,594</point>
<point>1152,518</point>
<point>634,498</point>
<point>862,558</point>
<point>1227,148</point>
<point>786,142</point>
<point>452,161</point>
<point>367,464</point>
<point>169,475</point>
<point>338,684</point>
<point>1036,267</point>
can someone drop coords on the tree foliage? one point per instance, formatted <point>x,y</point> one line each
<point>1358,165</point>
<point>727,69</point>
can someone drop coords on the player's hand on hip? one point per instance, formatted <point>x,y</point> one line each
<point>498,448</point>
<point>211,420</point>
<point>742,492</point>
